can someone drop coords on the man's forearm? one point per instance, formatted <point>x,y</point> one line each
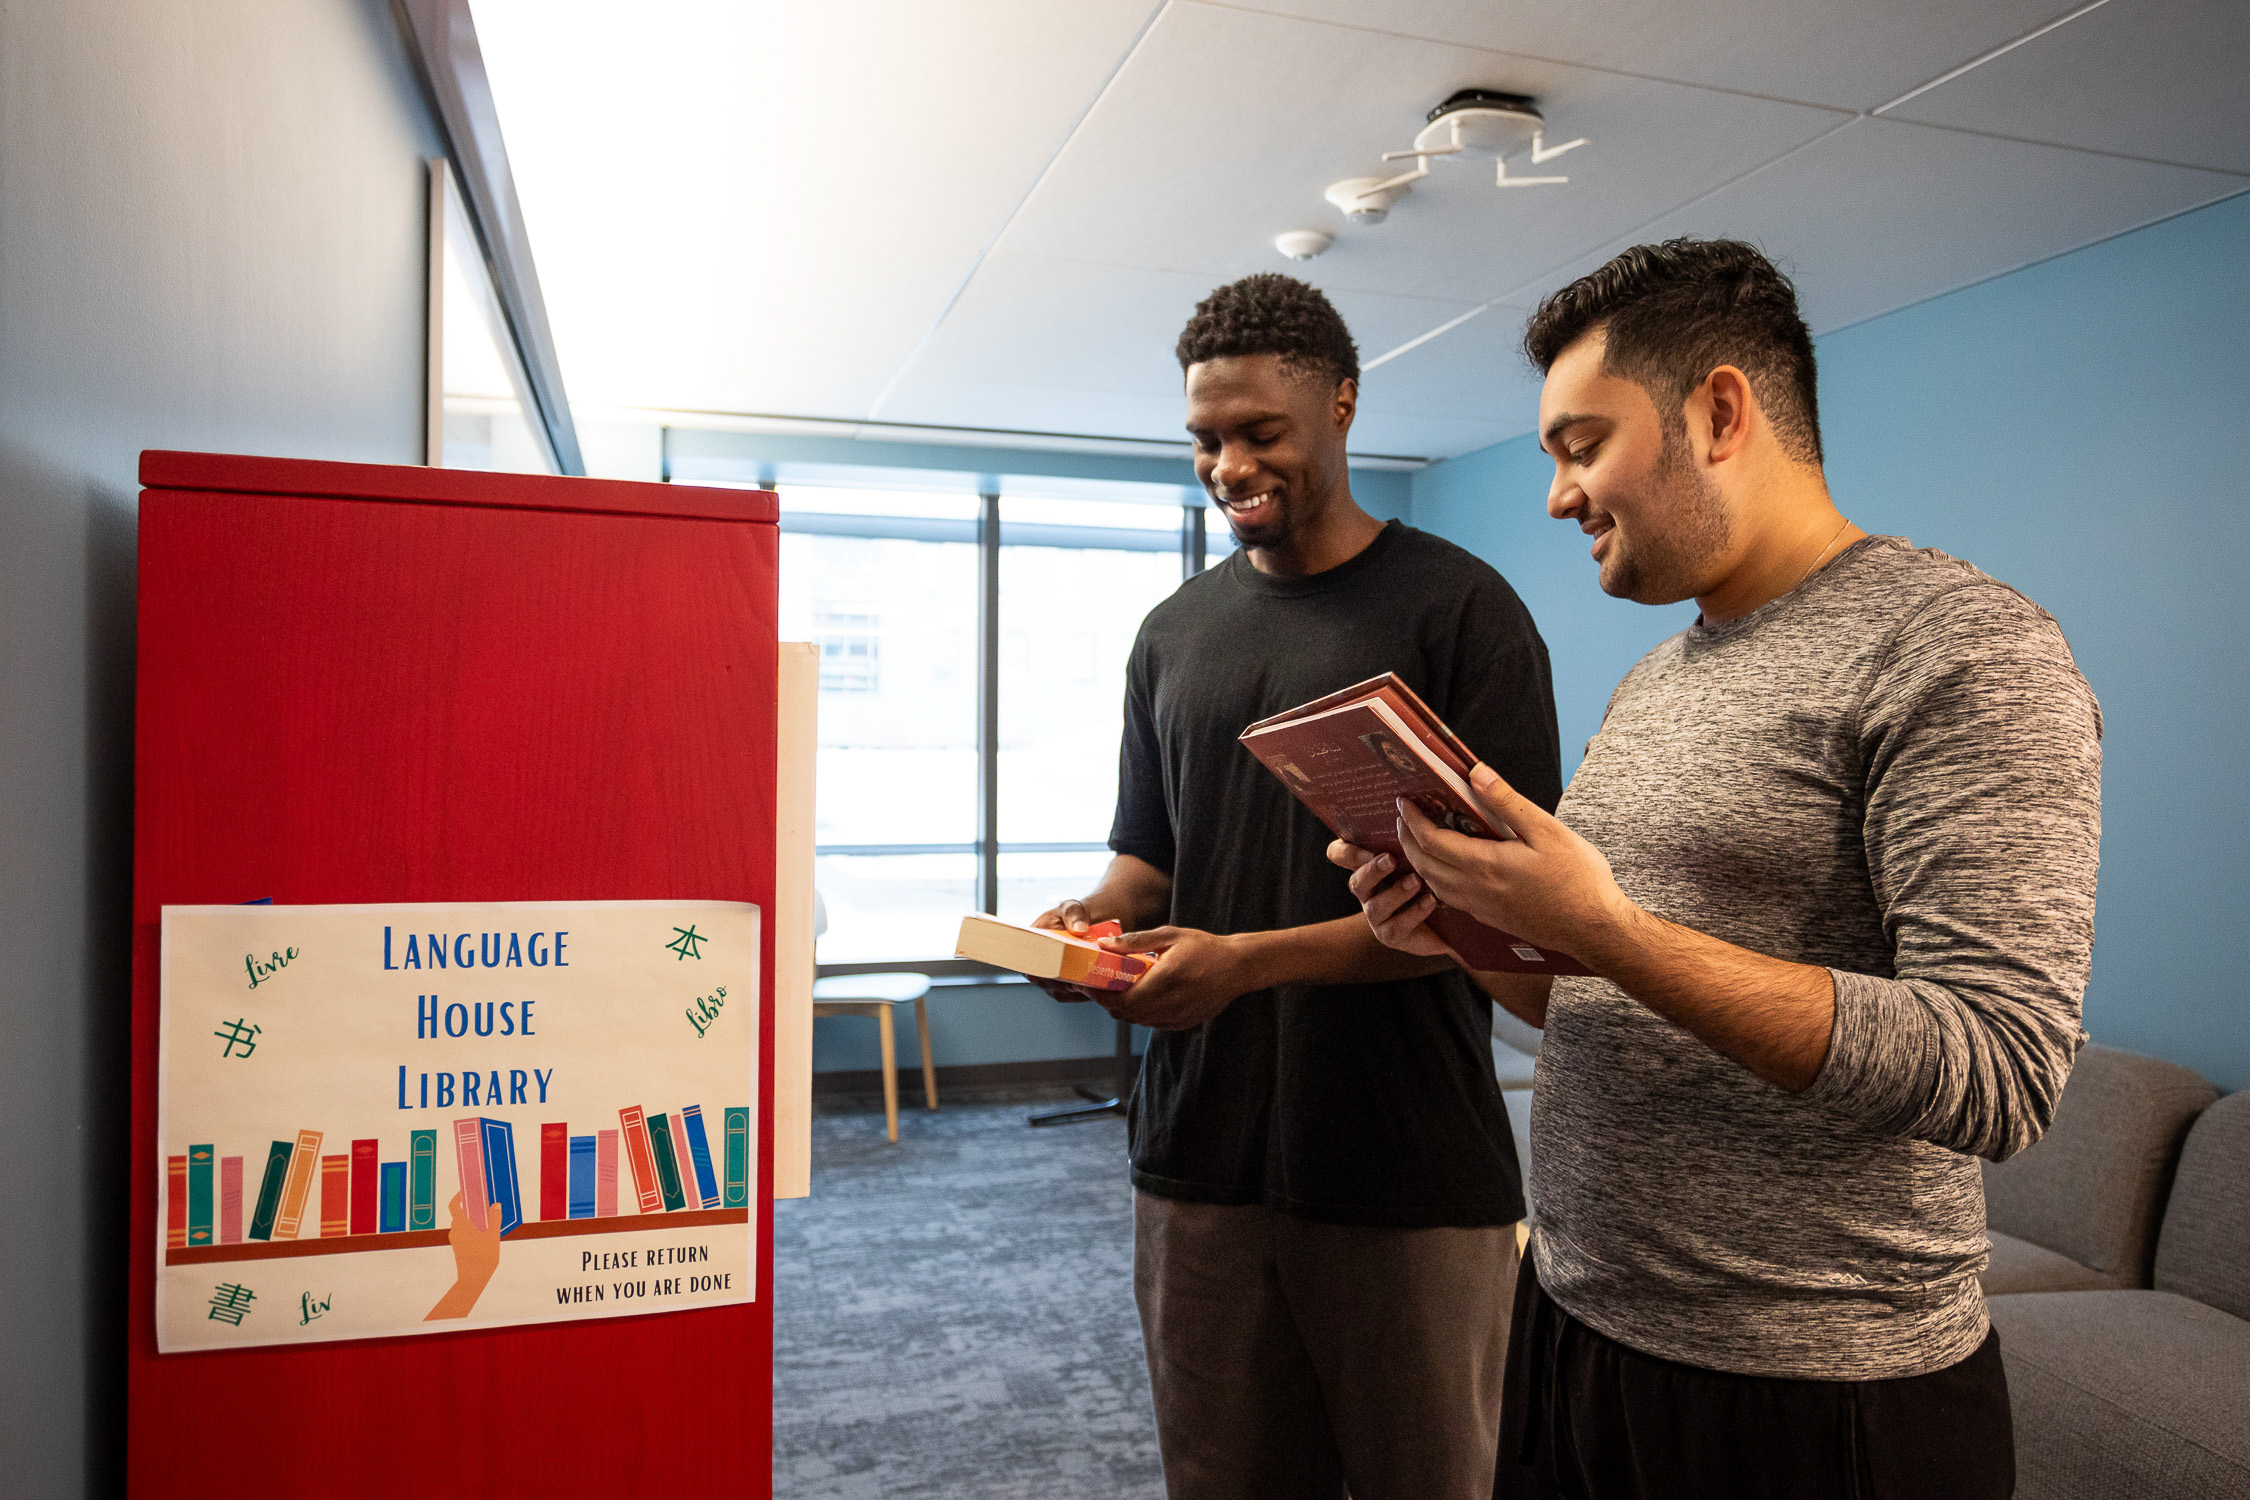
<point>1771,1016</point>
<point>1132,892</point>
<point>1340,952</point>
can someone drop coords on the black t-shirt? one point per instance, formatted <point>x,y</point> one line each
<point>1350,1104</point>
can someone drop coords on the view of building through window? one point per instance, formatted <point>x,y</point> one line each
<point>887,586</point>
<point>1068,615</point>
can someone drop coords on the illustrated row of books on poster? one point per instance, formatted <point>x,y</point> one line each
<point>669,1158</point>
<point>1351,757</point>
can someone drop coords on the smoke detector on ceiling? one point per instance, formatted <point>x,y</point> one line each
<point>1367,200</point>
<point>1471,125</point>
<point>1303,244</point>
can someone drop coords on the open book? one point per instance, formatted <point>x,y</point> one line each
<point>1351,755</point>
<point>1045,954</point>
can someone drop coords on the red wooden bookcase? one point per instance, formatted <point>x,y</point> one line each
<point>361,683</point>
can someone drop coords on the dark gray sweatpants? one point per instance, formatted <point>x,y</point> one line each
<point>1289,1359</point>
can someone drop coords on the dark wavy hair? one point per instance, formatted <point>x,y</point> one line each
<point>1673,313</point>
<point>1271,314</point>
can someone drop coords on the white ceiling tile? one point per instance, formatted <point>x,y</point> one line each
<point>1226,126</point>
<point>2167,80</point>
<point>1021,407</point>
<point>1039,321</point>
<point>1404,436</point>
<point>765,208</point>
<point>1883,213</point>
<point>1848,54</point>
<point>1474,373</point>
<point>1059,337</point>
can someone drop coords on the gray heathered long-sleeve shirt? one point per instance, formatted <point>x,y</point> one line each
<point>1893,772</point>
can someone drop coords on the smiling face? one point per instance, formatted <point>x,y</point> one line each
<point>1269,446</point>
<point>1660,527</point>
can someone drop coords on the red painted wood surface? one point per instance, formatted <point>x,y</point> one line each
<point>360,683</point>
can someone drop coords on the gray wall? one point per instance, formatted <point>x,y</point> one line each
<point>211,236</point>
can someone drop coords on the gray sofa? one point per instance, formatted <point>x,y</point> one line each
<point>2078,1211</point>
<point>2121,1289</point>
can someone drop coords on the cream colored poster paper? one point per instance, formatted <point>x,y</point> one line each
<point>329,1076</point>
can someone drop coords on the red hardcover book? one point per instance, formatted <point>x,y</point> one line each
<point>230,1200</point>
<point>643,1159</point>
<point>554,1171</point>
<point>1352,756</point>
<point>468,1159</point>
<point>175,1204</point>
<point>335,1196</point>
<point>367,1177</point>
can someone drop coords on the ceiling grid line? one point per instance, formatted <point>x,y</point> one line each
<point>875,407</point>
<point>1977,62</point>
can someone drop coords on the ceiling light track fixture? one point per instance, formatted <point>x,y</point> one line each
<point>1471,125</point>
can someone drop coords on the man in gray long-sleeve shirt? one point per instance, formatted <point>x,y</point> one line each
<point>1830,861</point>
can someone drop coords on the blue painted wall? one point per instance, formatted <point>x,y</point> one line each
<point>2080,429</point>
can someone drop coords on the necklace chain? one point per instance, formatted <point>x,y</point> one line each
<point>1800,583</point>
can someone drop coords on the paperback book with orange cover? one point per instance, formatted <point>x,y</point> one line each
<point>1351,755</point>
<point>1045,954</point>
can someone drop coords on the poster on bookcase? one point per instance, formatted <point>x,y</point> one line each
<point>384,1120</point>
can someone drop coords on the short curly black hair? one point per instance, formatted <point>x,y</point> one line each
<point>1271,314</point>
<point>1672,313</point>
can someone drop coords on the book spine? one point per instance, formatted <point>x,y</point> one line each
<point>500,1178</point>
<point>366,1176</point>
<point>335,1196</point>
<point>642,1158</point>
<point>269,1189</point>
<point>230,1200</point>
<point>468,1157</point>
<point>738,1156</point>
<point>421,1187</point>
<point>1105,970</point>
<point>605,1174</point>
<point>393,1218</point>
<point>554,1171</point>
<point>303,1163</point>
<point>581,1203</point>
<point>199,1163</point>
<point>175,1203</point>
<point>667,1166</point>
<point>684,1163</point>
<point>699,1152</point>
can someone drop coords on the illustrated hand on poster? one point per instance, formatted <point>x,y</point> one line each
<point>476,1255</point>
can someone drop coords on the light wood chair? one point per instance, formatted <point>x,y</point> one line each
<point>878,995</point>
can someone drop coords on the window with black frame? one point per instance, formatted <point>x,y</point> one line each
<point>972,668</point>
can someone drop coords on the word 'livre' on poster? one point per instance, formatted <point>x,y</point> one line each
<point>377,1121</point>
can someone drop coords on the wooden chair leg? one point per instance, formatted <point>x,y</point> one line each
<point>929,1070</point>
<point>890,1071</point>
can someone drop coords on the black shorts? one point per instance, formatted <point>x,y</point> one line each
<point>1583,1417</point>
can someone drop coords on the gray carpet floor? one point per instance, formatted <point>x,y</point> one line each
<point>953,1315</point>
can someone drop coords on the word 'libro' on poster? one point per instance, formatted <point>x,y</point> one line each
<point>389,1120</point>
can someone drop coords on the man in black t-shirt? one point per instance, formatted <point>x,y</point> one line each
<point>1326,1185</point>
